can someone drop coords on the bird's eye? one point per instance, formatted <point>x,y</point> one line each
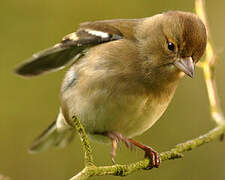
<point>171,46</point>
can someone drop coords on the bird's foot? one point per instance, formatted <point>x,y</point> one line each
<point>149,153</point>
<point>153,156</point>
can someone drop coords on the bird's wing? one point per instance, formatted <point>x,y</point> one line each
<point>71,47</point>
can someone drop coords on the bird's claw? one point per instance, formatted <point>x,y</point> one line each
<point>153,156</point>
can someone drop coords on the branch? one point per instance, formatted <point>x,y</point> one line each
<point>207,65</point>
<point>123,170</point>
<point>88,158</point>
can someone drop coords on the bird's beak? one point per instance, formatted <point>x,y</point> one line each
<point>186,65</point>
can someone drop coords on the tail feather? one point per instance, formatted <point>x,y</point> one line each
<point>52,137</point>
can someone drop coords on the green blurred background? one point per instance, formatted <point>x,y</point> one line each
<point>28,106</point>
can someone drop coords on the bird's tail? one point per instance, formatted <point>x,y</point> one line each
<point>52,137</point>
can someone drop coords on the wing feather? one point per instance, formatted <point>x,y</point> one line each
<point>72,46</point>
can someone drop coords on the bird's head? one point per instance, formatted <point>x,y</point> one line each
<point>174,43</point>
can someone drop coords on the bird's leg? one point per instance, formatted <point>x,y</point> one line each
<point>116,138</point>
<point>149,153</point>
<point>115,142</point>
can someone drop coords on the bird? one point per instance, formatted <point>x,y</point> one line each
<point>122,76</point>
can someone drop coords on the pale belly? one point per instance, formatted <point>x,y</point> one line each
<point>100,112</point>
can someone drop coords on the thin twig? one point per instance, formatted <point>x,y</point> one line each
<point>88,157</point>
<point>207,66</point>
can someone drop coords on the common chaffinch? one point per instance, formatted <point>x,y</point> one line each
<point>123,74</point>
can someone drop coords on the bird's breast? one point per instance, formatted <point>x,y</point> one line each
<point>102,111</point>
<point>131,115</point>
